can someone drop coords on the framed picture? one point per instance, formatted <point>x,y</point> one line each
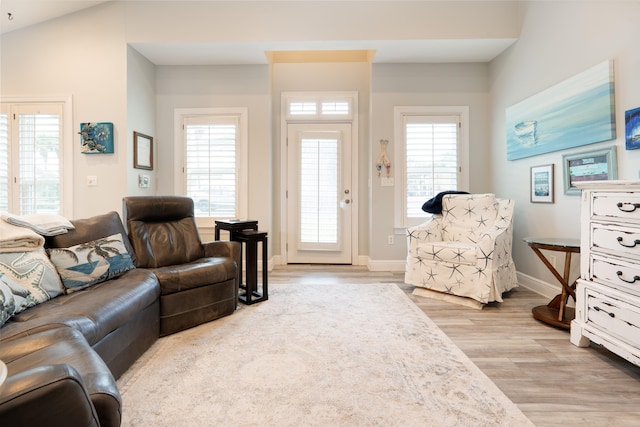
<point>632,129</point>
<point>597,165</point>
<point>142,151</point>
<point>96,138</point>
<point>542,190</point>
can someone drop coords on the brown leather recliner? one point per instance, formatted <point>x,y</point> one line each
<point>199,281</point>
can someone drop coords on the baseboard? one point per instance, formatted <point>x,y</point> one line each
<point>538,286</point>
<point>386,265</point>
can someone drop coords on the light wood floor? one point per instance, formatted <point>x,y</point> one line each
<point>553,382</point>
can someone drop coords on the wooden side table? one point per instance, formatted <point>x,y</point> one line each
<point>556,313</point>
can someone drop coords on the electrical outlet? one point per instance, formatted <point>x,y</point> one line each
<point>390,239</point>
<point>92,180</point>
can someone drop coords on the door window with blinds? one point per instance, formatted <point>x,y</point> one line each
<point>31,140</point>
<point>212,164</point>
<point>430,161</point>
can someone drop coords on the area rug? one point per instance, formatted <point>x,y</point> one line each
<point>314,355</point>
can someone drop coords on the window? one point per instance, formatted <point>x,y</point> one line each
<point>430,158</point>
<point>214,148</point>
<point>327,106</point>
<point>31,157</point>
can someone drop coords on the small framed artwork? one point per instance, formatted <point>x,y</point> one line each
<point>96,138</point>
<point>142,151</point>
<point>596,165</point>
<point>632,129</point>
<point>542,184</point>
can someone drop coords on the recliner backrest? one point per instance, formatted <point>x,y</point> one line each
<point>162,230</point>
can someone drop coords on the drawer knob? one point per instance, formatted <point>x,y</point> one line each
<point>621,243</point>
<point>596,308</point>
<point>634,280</point>
<point>623,206</point>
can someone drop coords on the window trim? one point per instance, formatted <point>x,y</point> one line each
<point>401,221</point>
<point>242,113</point>
<point>66,161</point>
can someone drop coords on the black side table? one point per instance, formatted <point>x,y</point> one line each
<point>234,225</point>
<point>251,238</point>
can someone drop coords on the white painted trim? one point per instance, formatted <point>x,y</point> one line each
<point>386,265</point>
<point>538,286</point>
<point>399,217</point>
<point>243,128</point>
<point>66,165</point>
<point>355,184</point>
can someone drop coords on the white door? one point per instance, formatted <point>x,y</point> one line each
<point>319,193</point>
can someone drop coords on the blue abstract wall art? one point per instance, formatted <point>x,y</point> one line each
<point>96,138</point>
<point>632,128</point>
<point>575,112</point>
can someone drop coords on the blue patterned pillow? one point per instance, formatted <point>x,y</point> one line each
<point>86,264</point>
<point>32,277</point>
<point>7,301</point>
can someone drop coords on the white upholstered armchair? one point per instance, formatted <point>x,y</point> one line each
<point>465,250</point>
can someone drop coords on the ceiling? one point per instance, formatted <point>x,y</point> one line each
<point>18,14</point>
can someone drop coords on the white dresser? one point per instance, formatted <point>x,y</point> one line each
<point>608,291</point>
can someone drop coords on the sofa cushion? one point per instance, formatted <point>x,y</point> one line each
<point>93,228</point>
<point>34,272</point>
<point>86,264</point>
<point>63,345</point>
<point>202,272</point>
<point>95,311</point>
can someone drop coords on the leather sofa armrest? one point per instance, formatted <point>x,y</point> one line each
<point>51,395</point>
<point>222,248</point>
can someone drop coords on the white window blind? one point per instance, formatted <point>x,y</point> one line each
<point>211,164</point>
<point>319,177</point>
<point>31,146</point>
<point>431,159</point>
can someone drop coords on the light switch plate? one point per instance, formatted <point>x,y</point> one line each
<point>386,182</point>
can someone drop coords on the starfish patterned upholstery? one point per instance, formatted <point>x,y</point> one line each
<point>465,250</point>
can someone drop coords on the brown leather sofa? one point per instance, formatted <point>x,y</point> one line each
<point>198,282</point>
<point>64,355</point>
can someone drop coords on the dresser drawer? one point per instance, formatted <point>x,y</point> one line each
<point>615,317</point>
<point>616,240</point>
<point>617,205</point>
<point>617,273</point>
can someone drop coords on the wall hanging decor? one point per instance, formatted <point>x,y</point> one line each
<point>96,138</point>
<point>596,165</point>
<point>542,190</point>
<point>632,128</point>
<point>575,112</point>
<point>383,159</point>
<point>142,151</point>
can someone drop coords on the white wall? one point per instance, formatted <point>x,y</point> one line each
<point>141,117</point>
<point>85,56</point>
<point>424,85</point>
<point>559,40</point>
<point>210,87</point>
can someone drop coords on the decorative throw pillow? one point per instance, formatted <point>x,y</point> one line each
<point>86,264</point>
<point>7,302</point>
<point>33,272</point>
